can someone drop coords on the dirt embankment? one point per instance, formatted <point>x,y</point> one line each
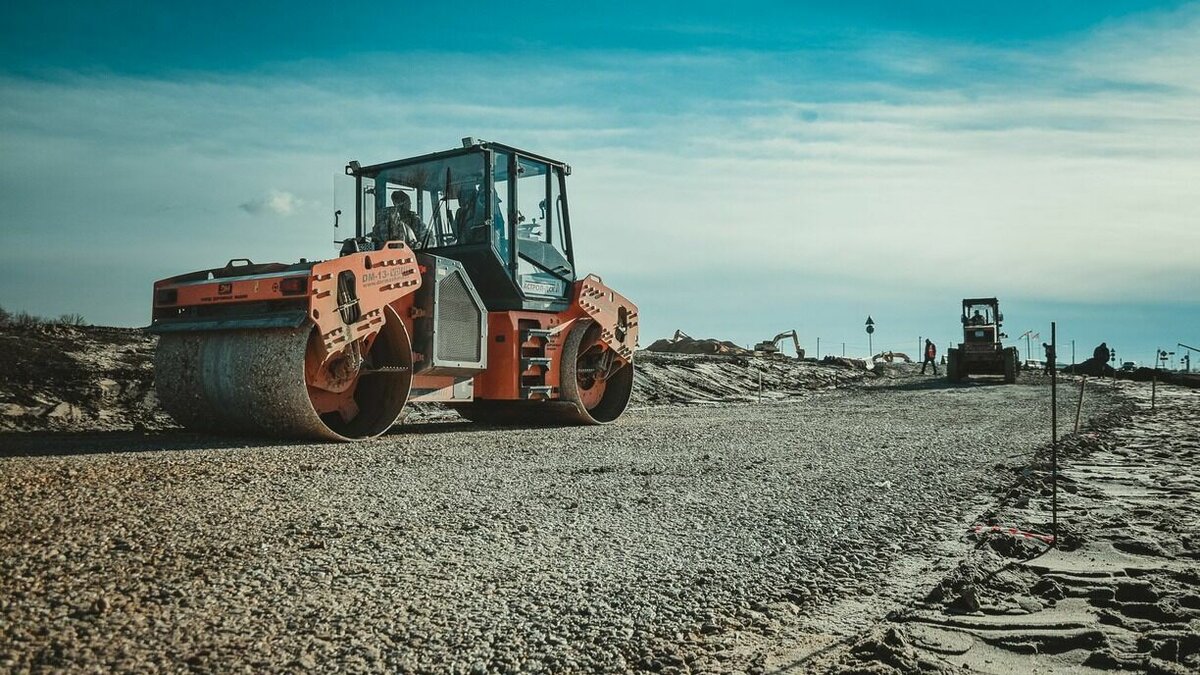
<point>77,378</point>
<point>67,378</point>
<point>1121,591</point>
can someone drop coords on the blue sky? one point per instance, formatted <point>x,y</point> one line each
<point>740,169</point>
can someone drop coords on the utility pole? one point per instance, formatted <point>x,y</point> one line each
<point>1072,356</point>
<point>818,348</point>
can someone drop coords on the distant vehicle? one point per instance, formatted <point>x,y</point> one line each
<point>771,347</point>
<point>1128,366</point>
<point>981,352</point>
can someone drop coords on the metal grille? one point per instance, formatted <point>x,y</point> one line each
<point>459,321</point>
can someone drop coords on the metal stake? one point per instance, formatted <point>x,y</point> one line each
<point>1054,435</point>
<point>1154,378</point>
<point>1079,407</point>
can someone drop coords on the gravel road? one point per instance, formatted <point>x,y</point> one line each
<point>683,538</point>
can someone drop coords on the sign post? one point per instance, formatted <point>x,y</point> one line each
<point>870,330</point>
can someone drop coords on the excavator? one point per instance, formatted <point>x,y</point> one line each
<point>771,347</point>
<point>476,304</point>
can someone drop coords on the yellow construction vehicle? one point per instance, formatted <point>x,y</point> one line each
<point>771,347</point>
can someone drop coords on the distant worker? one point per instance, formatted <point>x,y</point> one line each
<point>930,357</point>
<point>977,319</point>
<point>1049,358</point>
<point>1100,354</point>
<point>399,222</point>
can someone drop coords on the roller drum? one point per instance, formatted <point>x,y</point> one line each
<point>253,382</point>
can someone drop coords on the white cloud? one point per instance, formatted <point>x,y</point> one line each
<point>279,202</point>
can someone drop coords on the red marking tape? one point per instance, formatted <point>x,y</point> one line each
<point>1012,531</point>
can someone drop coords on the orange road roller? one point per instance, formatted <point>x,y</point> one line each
<point>459,287</point>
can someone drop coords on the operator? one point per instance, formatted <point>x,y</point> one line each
<point>977,319</point>
<point>399,222</point>
<point>930,357</point>
<point>469,215</point>
<point>1049,358</point>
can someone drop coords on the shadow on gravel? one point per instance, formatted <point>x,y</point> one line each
<point>928,383</point>
<point>49,444</point>
<point>64,443</point>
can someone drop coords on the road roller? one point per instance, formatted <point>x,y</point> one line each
<point>458,287</point>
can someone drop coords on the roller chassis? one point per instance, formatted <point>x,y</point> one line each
<point>335,349</point>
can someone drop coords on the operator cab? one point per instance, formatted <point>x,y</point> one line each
<point>981,319</point>
<point>500,211</point>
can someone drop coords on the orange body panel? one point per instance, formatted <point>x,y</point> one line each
<point>382,277</point>
<point>502,379</point>
<point>615,314</point>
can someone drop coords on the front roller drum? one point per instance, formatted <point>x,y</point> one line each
<point>594,388</point>
<point>253,382</point>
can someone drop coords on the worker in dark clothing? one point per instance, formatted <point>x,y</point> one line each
<point>399,222</point>
<point>930,357</point>
<point>1100,355</point>
<point>1049,358</point>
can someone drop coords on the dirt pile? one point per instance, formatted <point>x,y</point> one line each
<point>57,378</point>
<point>687,345</point>
<point>688,378</point>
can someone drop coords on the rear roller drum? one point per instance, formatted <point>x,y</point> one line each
<point>273,383</point>
<point>592,378</point>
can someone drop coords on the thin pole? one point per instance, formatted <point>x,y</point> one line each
<point>843,350</point>
<point>818,348</point>
<point>1154,378</point>
<point>1053,396</point>
<point>1072,356</point>
<point>760,385</point>
<point>1054,437</point>
<point>1079,406</point>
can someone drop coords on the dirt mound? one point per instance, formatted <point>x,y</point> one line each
<point>687,345</point>
<point>1092,367</point>
<point>66,378</point>
<point>70,378</point>
<point>690,378</point>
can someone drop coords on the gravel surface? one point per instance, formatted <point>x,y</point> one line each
<point>682,538</point>
<point>1120,591</point>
